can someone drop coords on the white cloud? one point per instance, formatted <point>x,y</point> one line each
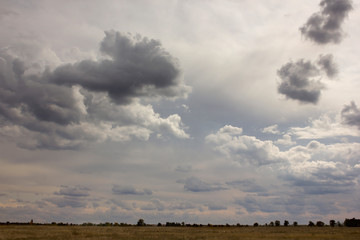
<point>242,148</point>
<point>324,127</point>
<point>273,129</point>
<point>285,140</point>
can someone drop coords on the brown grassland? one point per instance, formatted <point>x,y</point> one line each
<point>17,232</point>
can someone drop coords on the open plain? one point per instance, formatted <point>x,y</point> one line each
<point>17,232</point>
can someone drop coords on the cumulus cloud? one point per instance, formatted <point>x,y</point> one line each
<point>323,169</point>
<point>129,190</point>
<point>285,140</point>
<point>325,26</point>
<point>351,115</point>
<point>89,101</point>
<point>316,168</point>
<point>137,67</point>
<point>324,127</point>
<point>242,148</point>
<point>298,83</point>
<point>301,80</point>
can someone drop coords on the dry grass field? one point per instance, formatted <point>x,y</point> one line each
<point>14,232</point>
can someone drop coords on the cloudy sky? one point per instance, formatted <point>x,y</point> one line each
<point>196,111</point>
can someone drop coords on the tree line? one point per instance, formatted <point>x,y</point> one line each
<point>353,222</point>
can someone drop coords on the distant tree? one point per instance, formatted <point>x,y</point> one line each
<point>159,224</point>
<point>332,223</point>
<point>277,223</point>
<point>352,222</point>
<point>286,223</point>
<point>339,224</point>
<point>271,224</point>
<point>320,224</point>
<point>311,224</point>
<point>295,224</point>
<point>256,224</point>
<point>141,222</point>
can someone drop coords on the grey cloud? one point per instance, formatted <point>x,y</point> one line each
<point>301,80</point>
<point>351,115</point>
<point>325,26</point>
<point>184,205</point>
<point>296,204</point>
<point>252,204</point>
<point>129,190</point>
<point>138,67</point>
<point>327,64</point>
<point>216,207</point>
<point>194,184</point>
<point>297,83</point>
<point>30,95</point>
<point>67,202</point>
<point>248,186</point>
<point>38,110</point>
<point>74,191</point>
<point>71,196</point>
<point>122,204</point>
<point>184,169</point>
<point>155,204</point>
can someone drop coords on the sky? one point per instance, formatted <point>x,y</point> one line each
<point>214,111</point>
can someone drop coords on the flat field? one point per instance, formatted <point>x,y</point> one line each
<point>17,232</point>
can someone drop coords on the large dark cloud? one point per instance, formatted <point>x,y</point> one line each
<point>135,67</point>
<point>351,115</point>
<point>69,106</point>
<point>325,26</point>
<point>301,80</point>
<point>30,95</point>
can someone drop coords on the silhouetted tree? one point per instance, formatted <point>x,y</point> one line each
<point>256,224</point>
<point>286,223</point>
<point>271,224</point>
<point>320,224</point>
<point>311,224</point>
<point>295,224</point>
<point>332,223</point>
<point>141,222</point>
<point>277,223</point>
<point>352,222</point>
